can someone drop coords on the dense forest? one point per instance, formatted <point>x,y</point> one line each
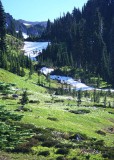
<point>11,56</point>
<point>83,39</point>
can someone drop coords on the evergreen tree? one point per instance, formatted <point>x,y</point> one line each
<point>105,100</point>
<point>24,99</point>
<point>79,97</point>
<point>112,49</point>
<point>2,34</point>
<point>19,34</point>
<point>94,96</point>
<point>22,72</point>
<point>98,81</point>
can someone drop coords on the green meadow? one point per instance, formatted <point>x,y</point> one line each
<point>54,126</point>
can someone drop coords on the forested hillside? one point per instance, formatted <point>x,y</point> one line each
<point>12,57</point>
<point>23,29</point>
<point>84,39</point>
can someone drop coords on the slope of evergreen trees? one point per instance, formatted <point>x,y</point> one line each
<point>84,39</point>
<point>3,55</point>
<point>11,57</point>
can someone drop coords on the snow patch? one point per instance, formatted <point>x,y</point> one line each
<point>33,49</point>
<point>25,35</point>
<point>46,70</point>
<point>27,24</point>
<point>75,84</point>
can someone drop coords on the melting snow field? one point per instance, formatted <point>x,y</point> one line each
<point>25,35</point>
<point>69,80</point>
<point>72,82</point>
<point>46,70</point>
<point>32,49</point>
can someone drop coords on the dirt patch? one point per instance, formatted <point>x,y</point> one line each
<point>110,130</point>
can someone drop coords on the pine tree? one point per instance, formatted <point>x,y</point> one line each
<point>22,72</point>
<point>4,61</point>
<point>24,99</point>
<point>2,34</point>
<point>94,96</point>
<point>12,28</point>
<point>105,100</point>
<point>19,35</point>
<point>98,81</point>
<point>79,97</point>
<point>112,49</point>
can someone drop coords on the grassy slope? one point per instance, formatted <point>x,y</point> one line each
<point>97,119</point>
<point>21,82</point>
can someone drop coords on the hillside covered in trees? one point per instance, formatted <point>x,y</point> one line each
<point>12,57</point>
<point>83,39</point>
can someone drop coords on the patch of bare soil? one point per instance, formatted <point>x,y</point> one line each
<point>110,130</point>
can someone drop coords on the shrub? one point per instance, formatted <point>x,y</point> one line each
<point>60,158</point>
<point>49,143</point>
<point>111,112</point>
<point>101,132</point>
<point>99,143</point>
<point>42,137</point>
<point>34,101</point>
<point>62,145</point>
<point>108,153</point>
<point>88,157</point>
<point>22,108</point>
<point>99,105</point>
<point>82,111</point>
<point>52,119</point>
<point>22,148</point>
<point>44,153</point>
<point>62,151</point>
<point>58,100</point>
<point>74,158</point>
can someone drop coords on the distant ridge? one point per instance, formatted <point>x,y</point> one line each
<point>28,28</point>
<point>43,23</point>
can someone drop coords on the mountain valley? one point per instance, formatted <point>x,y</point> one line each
<point>57,85</point>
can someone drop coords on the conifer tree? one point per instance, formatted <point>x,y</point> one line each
<point>22,72</point>
<point>19,35</point>
<point>24,99</point>
<point>105,100</point>
<point>112,49</point>
<point>2,34</point>
<point>79,97</point>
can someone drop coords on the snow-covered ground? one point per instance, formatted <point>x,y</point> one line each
<point>32,49</point>
<point>46,70</point>
<point>25,35</point>
<point>75,84</point>
<point>69,80</point>
<point>27,24</point>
